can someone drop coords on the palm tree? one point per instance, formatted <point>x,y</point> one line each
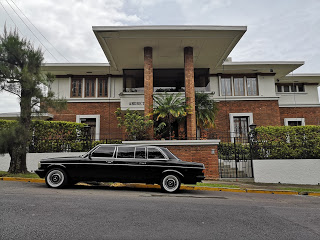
<point>206,110</point>
<point>169,107</point>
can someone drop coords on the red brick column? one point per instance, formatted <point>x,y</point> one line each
<point>148,83</point>
<point>190,95</point>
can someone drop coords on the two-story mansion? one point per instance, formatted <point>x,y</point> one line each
<point>148,60</point>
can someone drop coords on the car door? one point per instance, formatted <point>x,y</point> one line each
<point>156,163</point>
<point>99,165</point>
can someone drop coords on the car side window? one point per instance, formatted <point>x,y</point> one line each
<point>154,153</point>
<point>125,152</point>
<point>104,151</point>
<point>141,152</point>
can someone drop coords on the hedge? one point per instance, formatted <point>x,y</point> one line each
<point>286,142</point>
<point>276,142</point>
<point>57,136</point>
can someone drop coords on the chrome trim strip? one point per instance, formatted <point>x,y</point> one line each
<point>136,165</point>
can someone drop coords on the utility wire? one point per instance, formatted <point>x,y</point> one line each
<point>32,31</point>
<point>11,19</point>
<point>38,30</point>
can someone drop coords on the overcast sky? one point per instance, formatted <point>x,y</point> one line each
<point>287,30</point>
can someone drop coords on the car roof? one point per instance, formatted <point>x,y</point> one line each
<point>124,145</point>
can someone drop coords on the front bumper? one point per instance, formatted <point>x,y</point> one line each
<point>41,172</point>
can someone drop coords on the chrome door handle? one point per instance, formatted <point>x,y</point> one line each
<point>142,163</point>
<point>109,161</point>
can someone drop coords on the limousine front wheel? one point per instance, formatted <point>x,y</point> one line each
<point>56,178</point>
<point>170,183</point>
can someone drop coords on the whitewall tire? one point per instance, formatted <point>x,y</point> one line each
<point>56,178</point>
<point>170,183</point>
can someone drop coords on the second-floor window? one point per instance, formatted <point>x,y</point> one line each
<point>102,87</point>
<point>90,87</point>
<point>239,86</point>
<point>76,87</point>
<point>289,87</point>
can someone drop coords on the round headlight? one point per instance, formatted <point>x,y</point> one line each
<point>39,164</point>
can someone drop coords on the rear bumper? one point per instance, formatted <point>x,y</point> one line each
<point>194,180</point>
<point>41,173</point>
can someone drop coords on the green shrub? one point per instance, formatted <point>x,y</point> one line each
<point>57,136</point>
<point>285,142</point>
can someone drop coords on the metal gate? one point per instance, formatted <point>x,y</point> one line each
<point>235,159</point>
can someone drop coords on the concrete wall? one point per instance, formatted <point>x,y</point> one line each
<point>291,171</point>
<point>34,158</point>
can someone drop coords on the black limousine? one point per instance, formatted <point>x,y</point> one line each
<point>122,163</point>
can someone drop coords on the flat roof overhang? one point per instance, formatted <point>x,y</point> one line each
<point>79,69</point>
<point>123,46</point>
<point>278,68</point>
<point>302,77</point>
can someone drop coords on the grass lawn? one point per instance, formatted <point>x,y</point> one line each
<point>26,175</point>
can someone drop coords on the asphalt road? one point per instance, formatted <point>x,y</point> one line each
<point>33,211</point>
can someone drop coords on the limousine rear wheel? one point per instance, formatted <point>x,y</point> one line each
<point>170,183</point>
<point>56,178</point>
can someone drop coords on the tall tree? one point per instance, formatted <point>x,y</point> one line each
<point>206,110</point>
<point>20,74</point>
<point>169,107</point>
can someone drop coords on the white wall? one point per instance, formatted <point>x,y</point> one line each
<point>310,96</point>
<point>34,158</point>
<point>290,171</point>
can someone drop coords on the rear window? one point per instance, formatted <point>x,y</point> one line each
<point>103,151</point>
<point>125,152</point>
<point>154,153</point>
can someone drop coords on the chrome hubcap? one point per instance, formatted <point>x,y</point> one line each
<point>55,178</point>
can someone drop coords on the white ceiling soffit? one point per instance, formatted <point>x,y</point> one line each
<point>279,68</point>
<point>123,46</point>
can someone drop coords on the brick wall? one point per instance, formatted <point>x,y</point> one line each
<point>108,122</point>
<point>265,113</point>
<point>200,154</point>
<point>310,114</point>
<point>190,95</point>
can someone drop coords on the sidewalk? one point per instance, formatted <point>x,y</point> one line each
<point>241,187</point>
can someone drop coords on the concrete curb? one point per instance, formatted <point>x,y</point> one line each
<point>184,187</point>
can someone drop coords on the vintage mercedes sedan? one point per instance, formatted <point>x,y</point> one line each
<point>122,163</point>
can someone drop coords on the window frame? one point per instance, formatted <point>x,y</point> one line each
<point>287,120</point>
<point>257,87</point>
<point>165,157</point>
<point>92,88</point>
<point>79,82</point>
<point>105,87</point>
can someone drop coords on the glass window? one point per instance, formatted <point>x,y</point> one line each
<point>133,80</point>
<point>90,87</point>
<point>201,80</point>
<point>125,152</point>
<point>238,84</point>
<point>252,86</point>
<point>300,87</point>
<point>279,88</point>
<point>141,152</point>
<point>104,151</point>
<point>102,87</point>
<point>294,123</point>
<point>76,87</point>
<point>154,153</point>
<point>286,88</point>
<point>226,86</point>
